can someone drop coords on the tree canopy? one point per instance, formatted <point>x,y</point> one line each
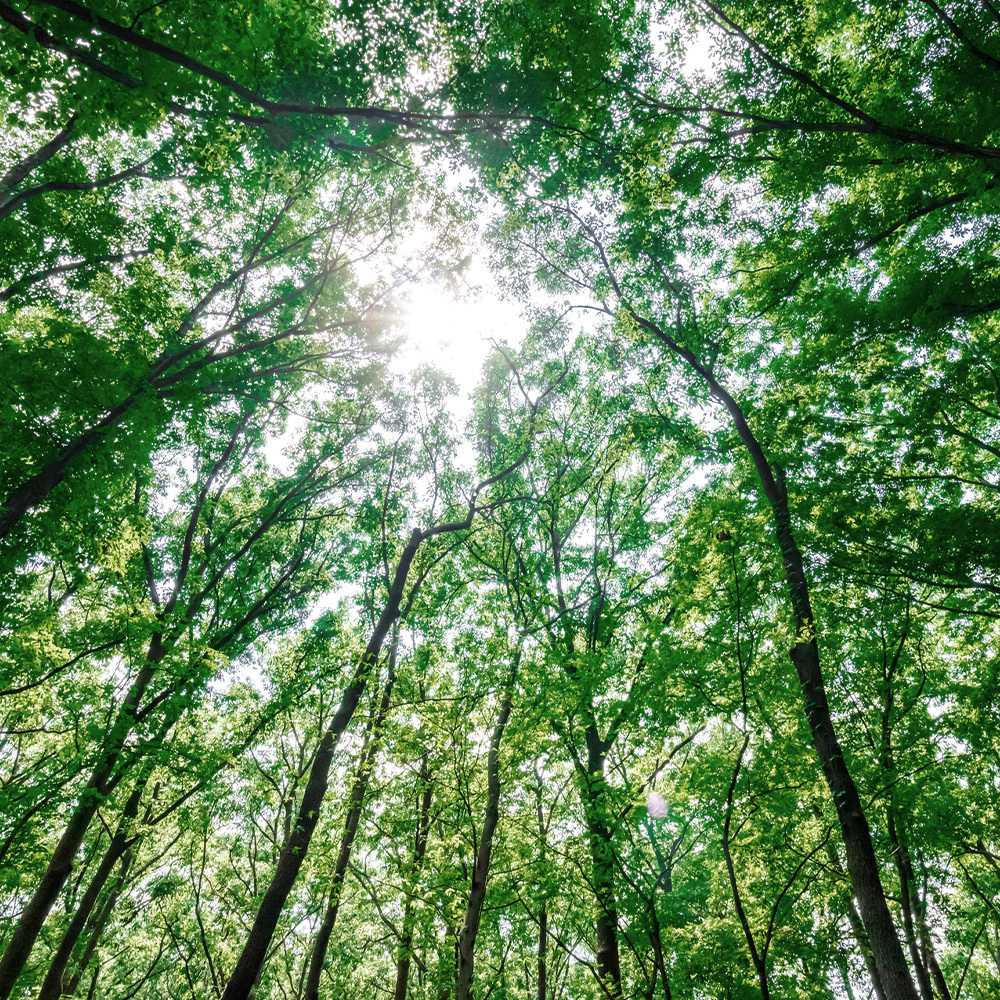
<point>672,672</point>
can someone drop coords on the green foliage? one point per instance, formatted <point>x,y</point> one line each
<point>211,465</point>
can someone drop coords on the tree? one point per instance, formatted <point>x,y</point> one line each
<point>202,601</point>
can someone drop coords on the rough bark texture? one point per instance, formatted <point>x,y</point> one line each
<point>481,870</point>
<point>862,865</point>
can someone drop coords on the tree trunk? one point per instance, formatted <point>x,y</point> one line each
<point>251,960</point>
<point>61,864</point>
<point>602,868</point>
<point>543,913</point>
<point>854,919</point>
<point>481,869</point>
<point>543,919</point>
<point>926,941</point>
<point>906,893</point>
<point>98,925</point>
<point>35,490</point>
<point>52,986</point>
<point>911,904</point>
<point>915,911</point>
<point>759,961</point>
<point>419,850</point>
<point>862,865</point>
<point>859,850</point>
<point>33,161</point>
<point>360,788</point>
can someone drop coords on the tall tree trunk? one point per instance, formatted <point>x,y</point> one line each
<point>665,884</point>
<point>659,962</point>
<point>52,986</point>
<point>926,941</point>
<point>602,867</point>
<point>481,869</point>
<point>862,865</point>
<point>251,960</point>
<point>97,926</point>
<point>363,776</point>
<point>543,930</point>
<point>759,961</point>
<point>419,850</point>
<point>911,904</point>
<point>61,863</point>
<point>854,918</point>
<point>915,911</point>
<point>543,913</point>
<point>906,892</point>
<point>35,490</point>
<point>845,973</point>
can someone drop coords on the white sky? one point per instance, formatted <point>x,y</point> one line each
<point>454,333</point>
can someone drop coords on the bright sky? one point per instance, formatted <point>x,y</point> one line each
<point>454,334</point>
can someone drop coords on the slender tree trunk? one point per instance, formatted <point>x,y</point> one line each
<point>659,963</point>
<point>98,925</point>
<point>926,941</point>
<point>664,883</point>
<point>419,850</point>
<point>52,986</point>
<point>61,864</point>
<point>481,869</point>
<point>25,166</point>
<point>845,974</point>
<point>543,943</point>
<point>93,983</point>
<point>859,850</point>
<point>35,490</point>
<point>543,913</point>
<point>360,788</point>
<point>759,961</point>
<point>251,960</point>
<point>915,912</point>
<point>906,890</point>
<point>862,865</point>
<point>912,906</point>
<point>602,867</point>
<point>854,919</point>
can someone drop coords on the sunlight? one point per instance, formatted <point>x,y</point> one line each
<point>455,334</point>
